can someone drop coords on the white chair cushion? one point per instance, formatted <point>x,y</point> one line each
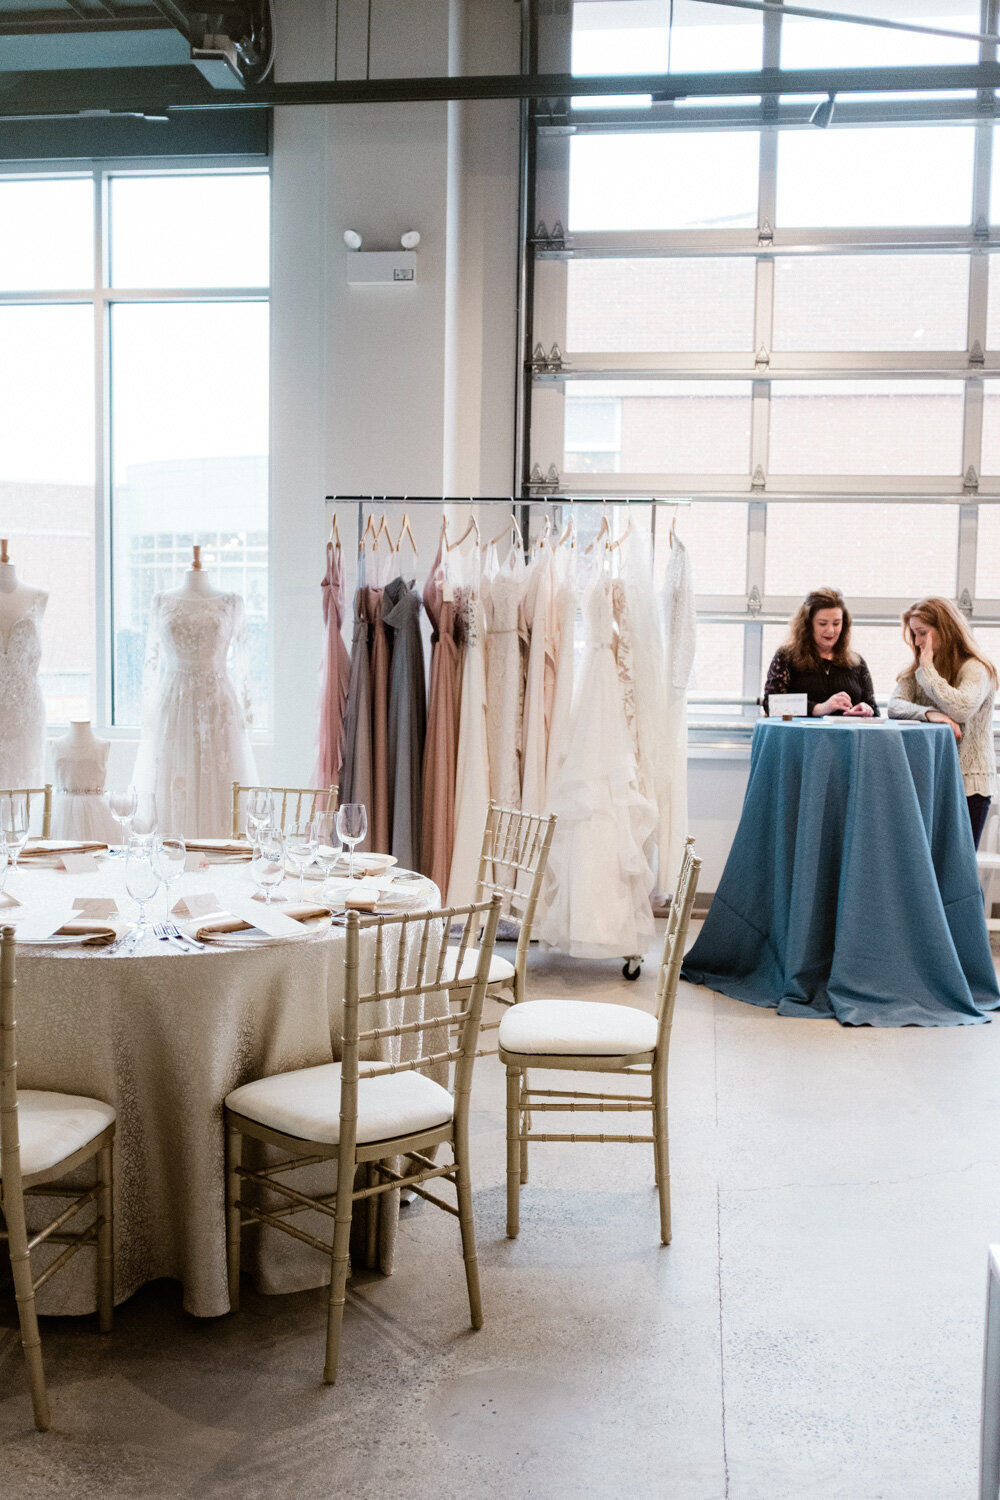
<point>51,1127</point>
<point>306,1104</point>
<point>577,1027</point>
<point>501,970</point>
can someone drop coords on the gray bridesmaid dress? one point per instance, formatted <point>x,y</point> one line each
<point>356,771</point>
<point>407,721</point>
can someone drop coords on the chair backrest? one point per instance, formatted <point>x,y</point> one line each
<point>34,794</point>
<point>292,804</point>
<point>411,950</point>
<point>10,1155</point>
<point>674,942</point>
<point>512,865</point>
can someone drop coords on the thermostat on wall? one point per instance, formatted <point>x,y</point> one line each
<point>381,267</point>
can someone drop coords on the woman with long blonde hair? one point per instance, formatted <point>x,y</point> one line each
<point>951,682</point>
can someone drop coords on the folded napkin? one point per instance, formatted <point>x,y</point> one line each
<point>92,934</point>
<point>357,895</point>
<point>306,913</point>
<point>219,846</point>
<point>363,866</point>
<point>46,848</point>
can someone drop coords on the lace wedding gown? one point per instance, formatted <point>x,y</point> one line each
<point>596,893</point>
<point>22,709</point>
<point>194,735</point>
<point>79,805</point>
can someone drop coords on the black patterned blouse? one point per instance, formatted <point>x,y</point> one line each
<point>819,683</point>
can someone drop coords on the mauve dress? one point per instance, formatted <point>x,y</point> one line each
<point>380,809</point>
<point>438,822</point>
<point>336,673</point>
<point>407,719</point>
<point>356,770</point>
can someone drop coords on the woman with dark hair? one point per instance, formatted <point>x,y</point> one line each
<point>950,681</point>
<point>817,660</point>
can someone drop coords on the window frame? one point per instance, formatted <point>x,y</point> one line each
<point>102,297</point>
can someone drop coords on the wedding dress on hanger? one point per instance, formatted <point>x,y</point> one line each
<point>472,777</point>
<point>22,708</point>
<point>503,589</point>
<point>565,661</point>
<point>596,893</point>
<point>539,616</point>
<point>194,740</point>
<point>678,617</point>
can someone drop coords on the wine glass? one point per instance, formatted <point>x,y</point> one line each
<point>268,863</point>
<point>328,847</point>
<point>122,806</point>
<point>301,842</point>
<point>14,824</point>
<point>141,880</point>
<point>260,812</point>
<point>144,824</point>
<point>352,825</point>
<point>4,861</point>
<point>169,857</point>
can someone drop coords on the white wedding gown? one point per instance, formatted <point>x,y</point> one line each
<point>194,734</point>
<point>596,893</point>
<point>79,805</point>
<point>472,777</point>
<point>22,708</point>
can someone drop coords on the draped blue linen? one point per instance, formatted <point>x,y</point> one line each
<point>851,887</point>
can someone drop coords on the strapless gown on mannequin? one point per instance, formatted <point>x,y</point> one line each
<point>22,709</point>
<point>79,805</point>
<point>194,734</point>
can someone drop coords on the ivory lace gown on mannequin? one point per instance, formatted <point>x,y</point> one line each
<point>22,709</point>
<point>194,739</point>
<point>79,807</point>
<point>595,898</point>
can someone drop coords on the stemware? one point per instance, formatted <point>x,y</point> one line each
<point>123,807</point>
<point>144,822</point>
<point>302,842</point>
<point>141,880</point>
<point>4,861</point>
<point>14,824</point>
<point>169,856</point>
<point>268,863</point>
<point>260,812</point>
<point>352,825</point>
<point>328,847</point>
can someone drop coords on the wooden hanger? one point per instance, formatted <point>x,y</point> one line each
<point>472,526</point>
<point>369,527</point>
<point>604,531</point>
<point>625,533</point>
<point>334,537</point>
<point>383,527</point>
<point>513,530</point>
<point>406,530</point>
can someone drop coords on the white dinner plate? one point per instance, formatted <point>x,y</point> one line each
<point>260,939</point>
<point>60,940</point>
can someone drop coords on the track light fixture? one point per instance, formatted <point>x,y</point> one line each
<point>822,115</point>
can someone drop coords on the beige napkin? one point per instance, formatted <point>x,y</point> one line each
<point>92,934</point>
<point>46,848</point>
<point>219,846</point>
<point>306,913</point>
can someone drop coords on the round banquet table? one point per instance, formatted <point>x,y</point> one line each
<point>164,1036</point>
<point>851,888</point>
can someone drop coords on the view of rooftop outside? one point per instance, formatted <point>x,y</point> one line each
<point>188,416</point>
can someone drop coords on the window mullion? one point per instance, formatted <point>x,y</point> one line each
<point>102,460</point>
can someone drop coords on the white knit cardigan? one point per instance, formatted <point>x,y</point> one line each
<point>969,702</point>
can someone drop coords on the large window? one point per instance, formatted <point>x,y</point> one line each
<point>795,331</point>
<point>133,410</point>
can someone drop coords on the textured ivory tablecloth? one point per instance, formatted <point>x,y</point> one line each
<point>164,1036</point>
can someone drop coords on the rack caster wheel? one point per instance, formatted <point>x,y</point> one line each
<point>632,968</point>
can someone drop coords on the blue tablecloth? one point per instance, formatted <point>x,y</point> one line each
<point>851,887</point>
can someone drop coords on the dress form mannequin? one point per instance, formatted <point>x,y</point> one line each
<point>80,761</point>
<point>16,598</point>
<point>197,584</point>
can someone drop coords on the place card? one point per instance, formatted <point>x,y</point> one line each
<point>36,926</point>
<point>79,864</point>
<point>7,901</point>
<point>194,861</point>
<point>788,705</point>
<point>203,905</point>
<point>96,906</point>
<point>275,923</point>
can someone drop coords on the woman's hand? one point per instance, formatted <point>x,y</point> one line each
<point>927,649</point>
<point>861,711</point>
<point>839,703</point>
<point>933,717</point>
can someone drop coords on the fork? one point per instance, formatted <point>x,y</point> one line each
<point>171,933</point>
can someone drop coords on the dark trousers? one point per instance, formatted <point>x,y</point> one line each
<point>978,808</point>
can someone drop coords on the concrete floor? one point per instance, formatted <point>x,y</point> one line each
<point>814,1332</point>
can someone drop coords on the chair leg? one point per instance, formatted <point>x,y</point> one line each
<point>661,1158</point>
<point>513,1150</point>
<point>525,1127</point>
<point>340,1262</point>
<point>463,1188</point>
<point>374,1205</point>
<point>24,1292</point>
<point>105,1240</point>
<point>234,1156</point>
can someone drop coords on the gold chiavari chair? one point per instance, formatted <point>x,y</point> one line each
<point>44,1136</point>
<point>358,1112</point>
<point>591,1037</point>
<point>512,865</point>
<point>298,803</point>
<point>33,793</point>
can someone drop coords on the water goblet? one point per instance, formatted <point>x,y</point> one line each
<point>169,856</point>
<point>141,881</point>
<point>268,863</point>
<point>328,847</point>
<point>260,812</point>
<point>301,842</point>
<point>122,806</point>
<point>352,825</point>
<point>144,823</point>
<point>14,824</point>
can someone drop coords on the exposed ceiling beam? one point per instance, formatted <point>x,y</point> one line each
<point>139,89</point>
<point>175,14</point>
<point>137,20</point>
